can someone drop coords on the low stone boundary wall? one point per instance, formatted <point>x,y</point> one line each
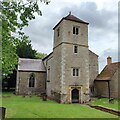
<point>115,112</point>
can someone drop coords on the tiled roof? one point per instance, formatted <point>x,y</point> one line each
<point>30,65</point>
<point>108,71</point>
<point>71,18</point>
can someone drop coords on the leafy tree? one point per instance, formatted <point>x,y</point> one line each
<point>40,55</point>
<point>24,49</point>
<point>15,15</point>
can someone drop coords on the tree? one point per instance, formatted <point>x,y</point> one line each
<point>15,15</point>
<point>24,49</point>
<point>40,55</point>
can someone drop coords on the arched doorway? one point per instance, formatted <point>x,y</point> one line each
<point>75,96</point>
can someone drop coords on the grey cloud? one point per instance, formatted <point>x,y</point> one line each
<point>100,20</point>
<point>97,18</point>
<point>101,27</point>
<point>88,11</point>
<point>103,57</point>
<point>40,30</point>
<point>119,21</point>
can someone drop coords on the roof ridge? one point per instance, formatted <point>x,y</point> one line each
<point>74,18</point>
<point>29,59</point>
<point>71,18</point>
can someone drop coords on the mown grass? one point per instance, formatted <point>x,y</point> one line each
<point>105,103</point>
<point>34,107</point>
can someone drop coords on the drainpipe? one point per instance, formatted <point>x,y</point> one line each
<point>109,89</point>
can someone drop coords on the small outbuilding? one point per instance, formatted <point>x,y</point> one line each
<point>106,83</point>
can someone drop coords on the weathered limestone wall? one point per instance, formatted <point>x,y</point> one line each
<point>93,66</point>
<point>56,73</point>
<point>58,39</point>
<point>93,71</point>
<point>114,85</point>
<point>101,88</point>
<point>69,37</point>
<point>70,61</point>
<point>49,69</point>
<point>22,86</point>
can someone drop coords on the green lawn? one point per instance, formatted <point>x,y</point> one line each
<point>105,103</point>
<point>34,107</point>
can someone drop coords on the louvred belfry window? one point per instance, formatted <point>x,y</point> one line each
<point>75,71</point>
<point>75,30</point>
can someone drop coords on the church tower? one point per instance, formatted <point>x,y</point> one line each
<point>70,63</point>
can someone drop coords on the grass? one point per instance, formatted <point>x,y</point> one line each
<point>105,103</point>
<point>34,107</point>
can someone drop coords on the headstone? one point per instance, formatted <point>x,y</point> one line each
<point>111,100</point>
<point>2,112</point>
<point>44,97</point>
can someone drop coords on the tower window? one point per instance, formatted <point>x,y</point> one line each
<point>75,49</point>
<point>48,76</point>
<point>76,30</point>
<point>73,30</point>
<point>75,71</point>
<point>32,80</point>
<point>58,32</point>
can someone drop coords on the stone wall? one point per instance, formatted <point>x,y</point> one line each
<point>49,69</point>
<point>22,86</point>
<point>114,85</point>
<point>102,87</point>
<point>93,71</point>
<point>71,60</point>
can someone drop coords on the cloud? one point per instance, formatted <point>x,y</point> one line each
<point>103,26</point>
<point>119,20</point>
<point>89,12</point>
<point>103,57</point>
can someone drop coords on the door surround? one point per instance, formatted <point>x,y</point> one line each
<point>79,88</point>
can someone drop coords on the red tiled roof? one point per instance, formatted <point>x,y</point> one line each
<point>71,18</point>
<point>108,71</point>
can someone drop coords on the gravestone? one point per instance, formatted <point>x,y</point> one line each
<point>2,112</point>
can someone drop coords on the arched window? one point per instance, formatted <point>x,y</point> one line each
<point>32,80</point>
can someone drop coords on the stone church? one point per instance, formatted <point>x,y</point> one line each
<point>67,74</point>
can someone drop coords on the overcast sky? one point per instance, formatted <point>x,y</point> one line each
<point>102,16</point>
